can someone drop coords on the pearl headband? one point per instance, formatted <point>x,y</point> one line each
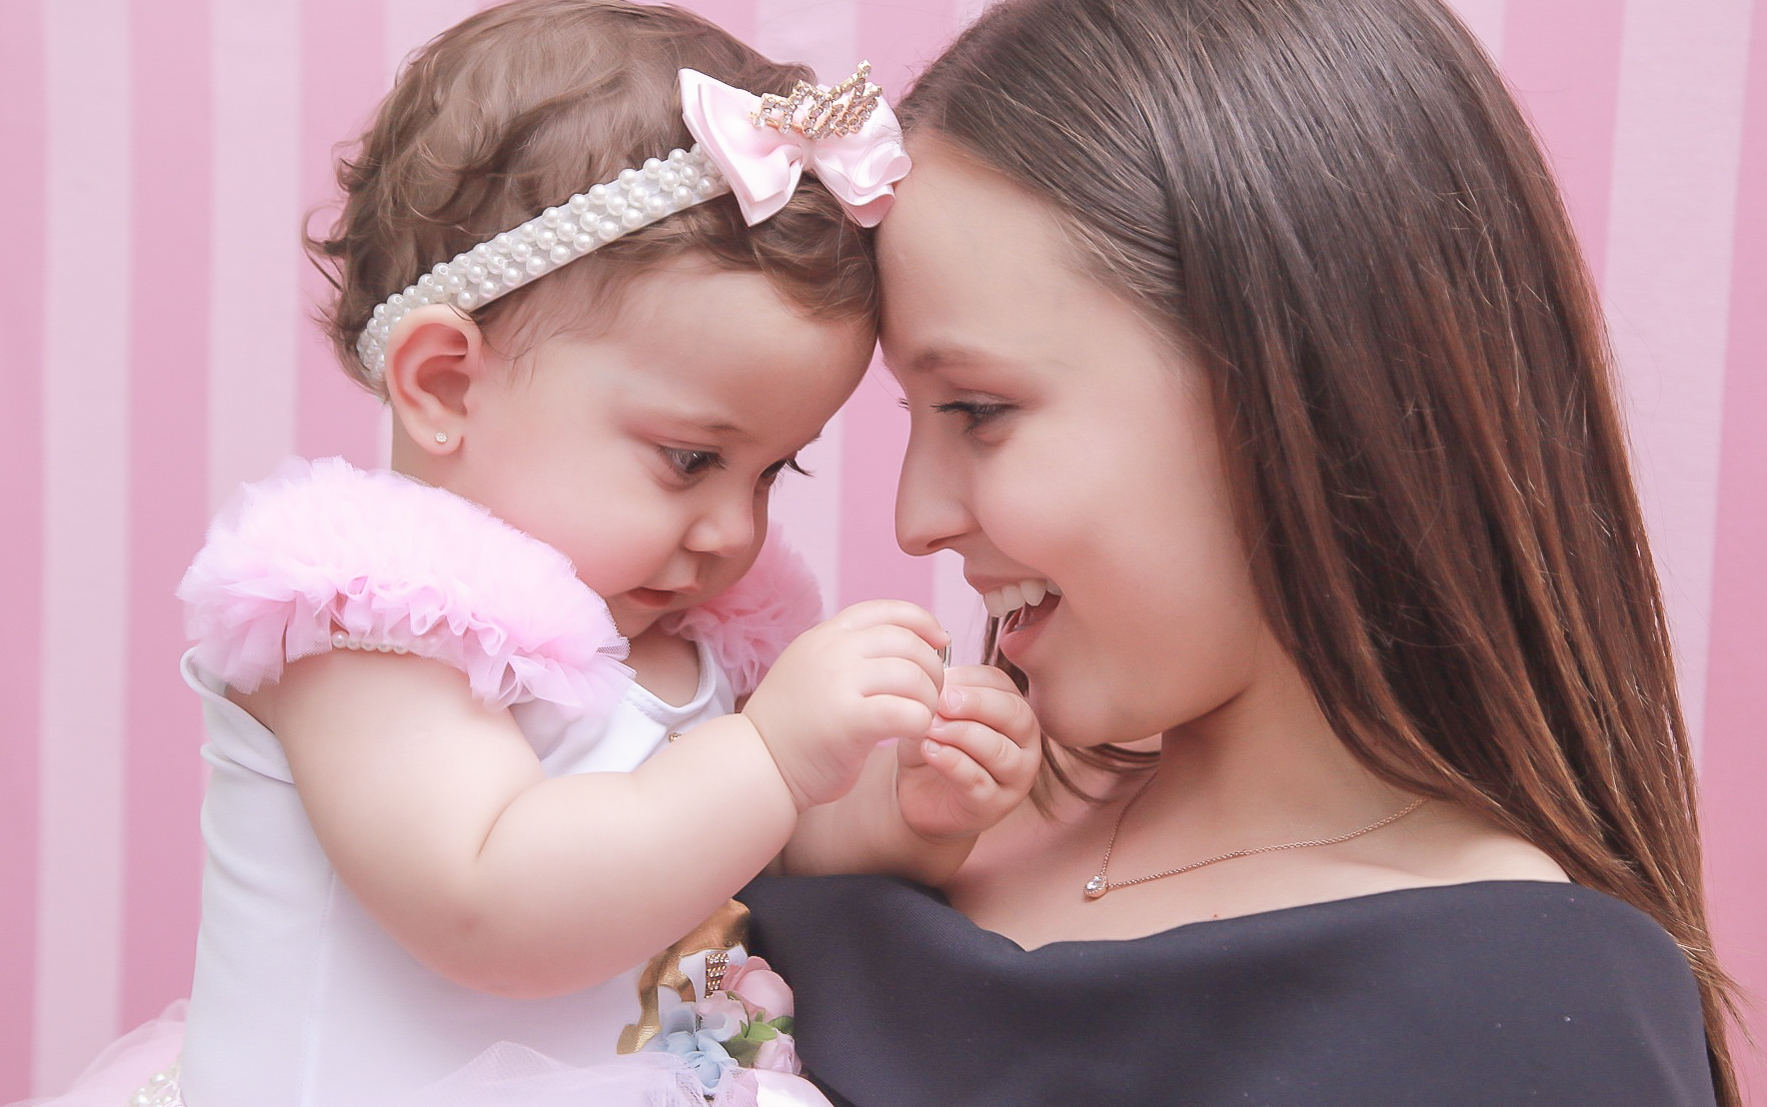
<point>755,146</point>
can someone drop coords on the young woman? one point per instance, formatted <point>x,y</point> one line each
<point>1256,377</point>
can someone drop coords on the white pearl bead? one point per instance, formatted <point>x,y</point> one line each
<point>682,197</point>
<point>652,166</point>
<point>608,230</point>
<point>583,243</point>
<point>546,239</point>
<point>340,640</point>
<point>579,203</point>
<point>633,218</point>
<point>668,179</point>
<point>627,176</point>
<point>598,195</point>
<point>521,251</point>
<point>561,253</point>
<point>616,205</point>
<point>537,264</point>
<point>466,299</point>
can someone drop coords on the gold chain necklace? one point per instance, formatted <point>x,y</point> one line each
<point>1102,883</point>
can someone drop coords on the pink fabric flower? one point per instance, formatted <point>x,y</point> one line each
<point>761,988</point>
<point>779,1055</point>
<point>721,1015</point>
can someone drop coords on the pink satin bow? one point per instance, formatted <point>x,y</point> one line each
<point>763,164</point>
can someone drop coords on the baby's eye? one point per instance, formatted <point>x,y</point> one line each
<point>976,413</point>
<point>690,463</point>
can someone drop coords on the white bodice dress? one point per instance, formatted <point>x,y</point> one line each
<point>300,999</point>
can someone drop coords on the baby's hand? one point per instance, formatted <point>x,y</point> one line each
<point>977,761</point>
<point>869,674</point>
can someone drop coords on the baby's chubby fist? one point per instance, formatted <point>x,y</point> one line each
<point>869,674</point>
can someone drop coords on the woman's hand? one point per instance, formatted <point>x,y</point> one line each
<point>977,762</point>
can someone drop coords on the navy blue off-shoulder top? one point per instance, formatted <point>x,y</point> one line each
<point>1491,993</point>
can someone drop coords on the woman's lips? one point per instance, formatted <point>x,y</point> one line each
<point>1021,627</point>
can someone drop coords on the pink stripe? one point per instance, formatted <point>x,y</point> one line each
<point>254,121</point>
<point>901,38</point>
<point>1562,57</point>
<point>168,502</point>
<point>1734,765</point>
<point>898,39</point>
<point>1485,18</point>
<point>23,136</point>
<point>342,79</point>
<point>874,434</point>
<point>1677,137</point>
<point>735,16</point>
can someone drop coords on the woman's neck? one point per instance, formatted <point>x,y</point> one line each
<point>1264,767</point>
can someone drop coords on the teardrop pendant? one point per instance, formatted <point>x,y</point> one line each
<point>1096,887</point>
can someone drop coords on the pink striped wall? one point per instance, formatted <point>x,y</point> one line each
<point>160,156</point>
<point>24,119</point>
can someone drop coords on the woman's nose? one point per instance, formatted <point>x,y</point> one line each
<point>930,510</point>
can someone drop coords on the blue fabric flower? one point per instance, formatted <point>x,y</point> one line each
<point>703,1052</point>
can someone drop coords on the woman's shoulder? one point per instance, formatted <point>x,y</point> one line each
<point>1489,990</point>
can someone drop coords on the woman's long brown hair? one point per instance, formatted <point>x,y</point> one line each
<point>1337,208</point>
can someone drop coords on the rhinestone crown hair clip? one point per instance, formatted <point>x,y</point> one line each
<point>755,146</point>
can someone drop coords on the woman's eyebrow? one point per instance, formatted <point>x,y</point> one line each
<point>934,358</point>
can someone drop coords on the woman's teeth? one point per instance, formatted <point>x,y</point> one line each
<point>1002,602</point>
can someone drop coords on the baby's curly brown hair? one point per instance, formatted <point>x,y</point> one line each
<point>522,106</point>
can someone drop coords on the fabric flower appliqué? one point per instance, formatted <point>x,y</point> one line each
<point>747,1024</point>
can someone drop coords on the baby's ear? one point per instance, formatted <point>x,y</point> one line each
<point>435,356</point>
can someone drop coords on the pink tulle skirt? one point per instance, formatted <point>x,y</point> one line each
<point>126,1066</point>
<point>506,1075</point>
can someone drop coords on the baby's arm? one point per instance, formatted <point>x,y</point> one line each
<point>435,812</point>
<point>920,804</point>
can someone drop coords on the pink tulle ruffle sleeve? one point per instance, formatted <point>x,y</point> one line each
<point>750,624</point>
<point>322,548</point>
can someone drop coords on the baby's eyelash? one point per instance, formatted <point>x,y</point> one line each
<point>691,463</point>
<point>771,473</point>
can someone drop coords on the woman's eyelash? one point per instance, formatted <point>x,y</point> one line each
<point>974,412</point>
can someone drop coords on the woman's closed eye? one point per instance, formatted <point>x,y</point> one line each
<point>976,414</point>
